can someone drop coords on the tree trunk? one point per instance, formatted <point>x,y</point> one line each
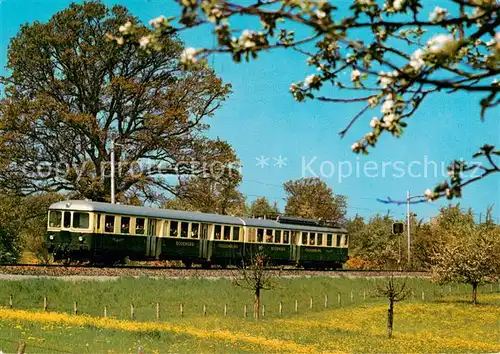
<point>474,293</point>
<point>256,305</point>
<point>390,318</point>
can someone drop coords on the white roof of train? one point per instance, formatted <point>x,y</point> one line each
<point>85,205</point>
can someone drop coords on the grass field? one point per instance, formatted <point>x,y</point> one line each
<point>440,323</point>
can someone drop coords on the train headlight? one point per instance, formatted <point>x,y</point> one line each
<point>80,238</point>
<point>51,237</point>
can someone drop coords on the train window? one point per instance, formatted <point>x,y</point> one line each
<point>173,228</point>
<point>329,239</point>
<point>98,222</point>
<point>269,236</point>
<point>109,223</point>
<point>312,238</point>
<point>320,239</point>
<point>67,219</point>
<point>346,240</point>
<point>217,232</point>
<point>277,236</point>
<point>286,236</point>
<point>236,233</point>
<point>139,226</point>
<point>338,240</point>
<point>194,230</point>
<point>81,220</point>
<point>227,233</point>
<point>55,218</point>
<point>304,238</point>
<point>125,228</point>
<point>260,235</point>
<point>184,229</point>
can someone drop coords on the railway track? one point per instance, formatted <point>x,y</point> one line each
<point>59,270</point>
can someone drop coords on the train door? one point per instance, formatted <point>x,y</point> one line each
<point>152,240</point>
<point>205,249</point>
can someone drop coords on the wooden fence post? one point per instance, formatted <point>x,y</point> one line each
<point>339,299</point>
<point>423,295</point>
<point>45,303</point>
<point>296,306</point>
<point>225,309</point>
<point>132,312</point>
<point>352,296</point>
<point>491,287</point>
<point>105,311</point>
<point>449,289</point>
<point>11,301</point>
<point>75,308</point>
<point>181,308</point>
<point>311,303</point>
<point>204,310</point>
<point>157,310</point>
<point>326,301</point>
<point>263,310</point>
<point>281,308</point>
<point>364,294</point>
<point>245,311</point>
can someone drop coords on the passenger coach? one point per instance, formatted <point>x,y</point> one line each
<point>103,232</point>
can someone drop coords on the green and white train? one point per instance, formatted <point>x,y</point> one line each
<point>109,233</point>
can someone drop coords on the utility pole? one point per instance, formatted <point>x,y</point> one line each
<point>408,225</point>
<point>112,171</point>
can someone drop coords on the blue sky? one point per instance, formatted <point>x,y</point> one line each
<point>260,118</point>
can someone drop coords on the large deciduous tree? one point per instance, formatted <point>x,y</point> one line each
<point>220,196</point>
<point>387,57</point>
<point>312,198</point>
<point>70,90</point>
<point>261,207</point>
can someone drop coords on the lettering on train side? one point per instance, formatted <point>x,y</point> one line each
<point>278,249</point>
<point>184,243</point>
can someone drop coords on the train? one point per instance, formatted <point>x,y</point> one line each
<point>97,232</point>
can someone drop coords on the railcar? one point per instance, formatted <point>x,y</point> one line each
<point>102,232</point>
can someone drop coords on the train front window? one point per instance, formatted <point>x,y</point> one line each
<point>217,231</point>
<point>304,238</point>
<point>67,219</point>
<point>312,237</point>
<point>109,223</point>
<point>55,218</point>
<point>346,240</point>
<point>329,240</point>
<point>81,220</point>
<point>286,236</point>
<point>194,230</point>
<point>320,239</point>
<point>139,226</point>
<point>338,240</point>
<point>125,228</point>
<point>236,233</point>
<point>173,228</point>
<point>277,236</point>
<point>184,229</point>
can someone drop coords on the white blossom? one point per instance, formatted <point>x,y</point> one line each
<point>293,87</point>
<point>373,101</point>
<point>188,56</point>
<point>246,39</point>
<point>374,122</point>
<point>398,4</point>
<point>126,27</point>
<point>389,119</point>
<point>386,79</point>
<point>144,41</point>
<point>120,40</point>
<point>437,43</point>
<point>320,14</point>
<point>355,146</point>
<point>438,14</point>
<point>355,75</point>
<point>387,106</point>
<point>416,61</point>
<point>311,79</point>
<point>158,22</point>
<point>364,2</point>
<point>428,193</point>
